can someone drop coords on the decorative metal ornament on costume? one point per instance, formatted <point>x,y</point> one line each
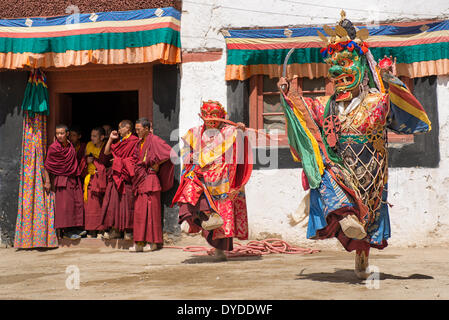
<point>349,130</point>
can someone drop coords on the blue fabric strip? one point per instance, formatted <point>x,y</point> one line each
<point>382,30</point>
<point>85,18</point>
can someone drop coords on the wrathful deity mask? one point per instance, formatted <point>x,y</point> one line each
<point>212,109</point>
<point>345,53</point>
<point>347,69</point>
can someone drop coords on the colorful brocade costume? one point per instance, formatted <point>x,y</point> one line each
<point>343,146</point>
<point>216,164</point>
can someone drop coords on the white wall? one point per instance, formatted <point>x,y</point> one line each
<point>419,195</point>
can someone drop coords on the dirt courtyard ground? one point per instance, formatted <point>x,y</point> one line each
<point>168,274</point>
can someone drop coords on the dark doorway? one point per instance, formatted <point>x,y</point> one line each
<point>93,109</point>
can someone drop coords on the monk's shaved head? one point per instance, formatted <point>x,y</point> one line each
<point>126,123</point>
<point>62,126</point>
<point>144,122</point>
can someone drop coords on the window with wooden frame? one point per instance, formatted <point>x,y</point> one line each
<point>265,110</point>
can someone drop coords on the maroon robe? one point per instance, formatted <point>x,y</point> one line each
<point>62,164</point>
<point>148,185</point>
<point>118,202</point>
<point>93,216</point>
<point>80,152</point>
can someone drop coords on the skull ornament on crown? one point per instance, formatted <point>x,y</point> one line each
<point>345,53</point>
<point>212,109</point>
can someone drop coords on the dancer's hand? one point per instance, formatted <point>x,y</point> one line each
<point>241,126</point>
<point>283,84</point>
<point>388,68</point>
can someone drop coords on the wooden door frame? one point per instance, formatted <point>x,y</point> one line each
<point>98,78</point>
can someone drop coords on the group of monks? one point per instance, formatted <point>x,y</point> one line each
<point>111,187</point>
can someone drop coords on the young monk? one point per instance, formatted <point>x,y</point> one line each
<point>107,131</point>
<point>61,173</point>
<point>75,138</point>
<point>154,172</point>
<point>95,181</point>
<point>118,203</point>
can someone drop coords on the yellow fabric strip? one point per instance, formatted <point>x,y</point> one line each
<point>219,190</point>
<point>315,146</point>
<point>190,139</point>
<point>126,137</point>
<point>209,155</point>
<point>295,158</point>
<point>86,185</point>
<point>316,39</point>
<point>403,104</point>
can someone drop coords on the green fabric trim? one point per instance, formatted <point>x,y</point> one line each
<point>355,138</point>
<point>407,54</point>
<point>91,41</point>
<point>273,56</point>
<point>298,140</point>
<point>35,99</point>
<point>416,53</point>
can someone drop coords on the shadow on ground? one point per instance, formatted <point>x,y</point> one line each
<point>35,249</point>
<point>348,276</point>
<point>212,259</point>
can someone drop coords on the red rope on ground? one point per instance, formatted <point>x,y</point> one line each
<point>252,248</point>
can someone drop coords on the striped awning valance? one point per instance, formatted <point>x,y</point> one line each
<point>421,49</point>
<point>103,38</point>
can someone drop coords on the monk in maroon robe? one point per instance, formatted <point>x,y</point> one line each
<point>62,175</point>
<point>75,138</point>
<point>154,173</point>
<point>95,180</point>
<point>118,202</point>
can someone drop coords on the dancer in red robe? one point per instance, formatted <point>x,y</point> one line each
<point>154,173</point>
<point>118,202</point>
<point>217,163</point>
<point>62,175</point>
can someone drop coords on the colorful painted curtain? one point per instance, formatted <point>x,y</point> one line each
<point>102,38</point>
<point>35,218</point>
<point>421,49</point>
